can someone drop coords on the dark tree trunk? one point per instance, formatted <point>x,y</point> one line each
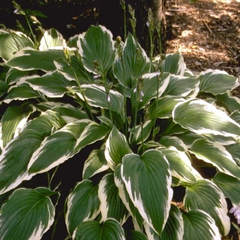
<point>159,7</point>
<point>111,15</point>
<point>142,9</point>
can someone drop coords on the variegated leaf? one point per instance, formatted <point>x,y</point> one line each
<point>116,148</point>
<point>109,230</point>
<point>53,85</point>
<point>132,63</point>
<point>152,86</point>
<point>91,134</point>
<point>13,121</point>
<point>163,107</point>
<point>52,39</point>
<point>141,132</point>
<point>204,118</point>
<point>95,163</point>
<point>11,42</point>
<point>229,185</point>
<point>74,71</point>
<point>28,214</point>
<point>205,195</point>
<point>173,230</point>
<point>216,82</point>
<point>217,155</point>
<point>180,86</point>
<point>174,64</point>
<point>71,114</point>
<point>96,48</point>
<point>173,141</point>
<point>21,92</point>
<point>82,204</point>
<point>230,102</point>
<point>111,204</point>
<point>199,225</point>
<point>30,59</point>
<point>180,165</point>
<point>54,150</point>
<point>122,191</point>
<point>97,96</point>
<point>234,150</point>
<point>17,153</point>
<point>148,181</point>
<point>13,75</point>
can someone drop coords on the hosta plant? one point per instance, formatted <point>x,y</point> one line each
<point>153,150</point>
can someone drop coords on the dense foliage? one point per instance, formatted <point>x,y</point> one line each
<point>151,128</point>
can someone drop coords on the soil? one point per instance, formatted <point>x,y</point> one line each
<point>207,33</point>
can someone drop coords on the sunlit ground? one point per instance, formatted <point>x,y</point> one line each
<point>207,33</point>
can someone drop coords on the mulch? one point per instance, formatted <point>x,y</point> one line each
<point>207,33</point>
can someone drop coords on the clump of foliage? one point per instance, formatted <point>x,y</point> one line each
<point>151,128</point>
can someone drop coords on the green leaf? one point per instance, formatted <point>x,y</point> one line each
<point>142,132</point>
<point>132,64</point>
<point>54,150</point>
<point>28,214</point>
<point>189,138</point>
<point>95,163</point>
<point>48,122</point>
<point>16,155</point>
<point>236,116</point>
<point>199,225</point>
<point>174,228</point>
<point>13,120</point>
<point>116,148</point>
<point>217,155</point>
<point>230,186</point>
<point>230,102</point>
<point>234,150</point>
<point>205,195</point>
<point>11,42</point>
<point>174,64</point>
<point>96,48</point>
<point>53,85</point>
<point>74,70</point>
<point>52,39</point>
<point>91,134</point>
<point>172,141</point>
<point>97,96</point>
<point>181,86</point>
<point>216,82</point>
<point>3,88</point>
<point>148,182</point>
<point>111,204</point>
<point>21,92</point>
<point>122,191</point>
<point>14,75</point>
<point>180,165</point>
<point>204,118</point>
<point>71,114</point>
<point>135,235</point>
<point>82,204</point>
<point>163,107</point>
<point>109,230</point>
<point>77,127</point>
<point>30,59</point>
<point>152,85</point>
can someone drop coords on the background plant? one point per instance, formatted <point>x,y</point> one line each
<point>150,135</point>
